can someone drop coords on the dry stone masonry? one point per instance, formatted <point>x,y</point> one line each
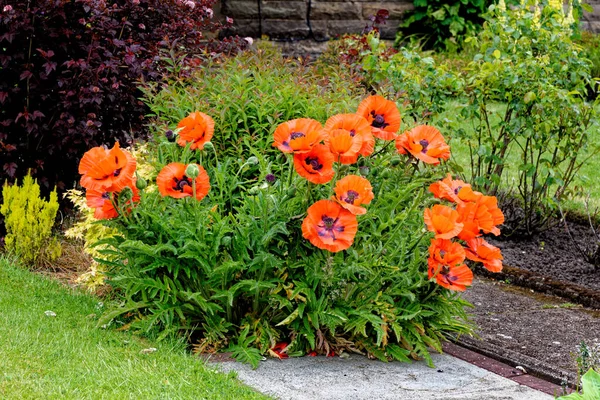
<point>310,19</point>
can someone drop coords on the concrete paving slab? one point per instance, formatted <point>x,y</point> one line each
<point>357,377</point>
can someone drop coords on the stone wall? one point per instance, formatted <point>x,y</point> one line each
<point>591,21</point>
<point>310,19</point>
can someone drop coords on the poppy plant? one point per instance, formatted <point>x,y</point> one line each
<point>279,351</point>
<point>298,135</point>
<point>481,251</point>
<point>197,129</point>
<point>173,182</point>
<point>328,226</point>
<point>382,115</point>
<point>106,170</point>
<point>352,191</point>
<point>425,143</point>
<point>355,125</point>
<point>103,202</point>
<point>443,221</point>
<point>453,190</point>
<point>316,165</point>
<point>344,146</point>
<point>452,277</point>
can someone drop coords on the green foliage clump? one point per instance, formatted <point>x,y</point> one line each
<point>527,59</point>
<point>29,220</point>
<point>248,95</point>
<point>441,24</point>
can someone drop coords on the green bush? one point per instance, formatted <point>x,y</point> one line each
<point>29,220</point>
<point>527,60</point>
<point>443,25</point>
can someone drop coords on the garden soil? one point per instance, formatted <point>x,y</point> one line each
<point>554,254</point>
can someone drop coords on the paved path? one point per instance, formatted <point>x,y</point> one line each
<point>357,377</point>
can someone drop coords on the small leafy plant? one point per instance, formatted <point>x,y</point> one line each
<point>590,383</point>
<point>317,249</point>
<point>29,220</point>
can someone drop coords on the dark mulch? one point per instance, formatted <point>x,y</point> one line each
<point>553,254</point>
<point>536,331</point>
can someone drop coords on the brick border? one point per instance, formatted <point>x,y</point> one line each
<point>502,369</point>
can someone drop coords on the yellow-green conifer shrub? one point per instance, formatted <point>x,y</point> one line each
<point>29,220</point>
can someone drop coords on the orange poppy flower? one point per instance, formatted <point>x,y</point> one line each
<point>316,165</point>
<point>452,277</point>
<point>453,190</point>
<point>328,226</point>
<point>480,216</point>
<point>197,128</point>
<point>106,170</point>
<point>447,252</point>
<point>298,135</point>
<point>443,221</point>
<point>355,125</point>
<point>352,191</point>
<point>425,143</point>
<point>382,115</point>
<point>344,145</point>
<point>481,251</point>
<point>101,202</point>
<point>173,182</point>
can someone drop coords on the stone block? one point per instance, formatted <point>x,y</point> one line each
<point>240,9</point>
<point>334,10</point>
<point>285,29</point>
<point>243,27</point>
<point>389,30</point>
<point>337,28</point>
<point>396,10</point>
<point>283,10</point>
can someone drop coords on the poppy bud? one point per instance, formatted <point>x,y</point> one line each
<point>209,145</point>
<point>252,160</point>
<point>270,178</point>
<point>386,174</point>
<point>125,194</point>
<point>170,135</point>
<point>395,161</point>
<point>291,191</point>
<point>253,190</point>
<point>140,182</point>
<point>192,171</point>
<point>364,170</point>
<point>226,240</point>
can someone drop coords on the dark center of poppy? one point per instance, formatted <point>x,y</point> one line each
<point>105,195</point>
<point>424,143</point>
<point>352,132</point>
<point>378,121</point>
<point>179,184</point>
<point>328,227</point>
<point>117,172</point>
<point>442,253</point>
<point>456,190</point>
<point>351,195</point>
<point>314,163</point>
<point>296,135</point>
<point>328,221</point>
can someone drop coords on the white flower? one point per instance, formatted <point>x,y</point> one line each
<point>249,40</point>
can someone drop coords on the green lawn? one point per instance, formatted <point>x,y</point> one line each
<point>587,178</point>
<point>67,357</point>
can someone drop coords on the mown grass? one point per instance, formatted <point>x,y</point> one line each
<point>67,357</point>
<point>586,180</point>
